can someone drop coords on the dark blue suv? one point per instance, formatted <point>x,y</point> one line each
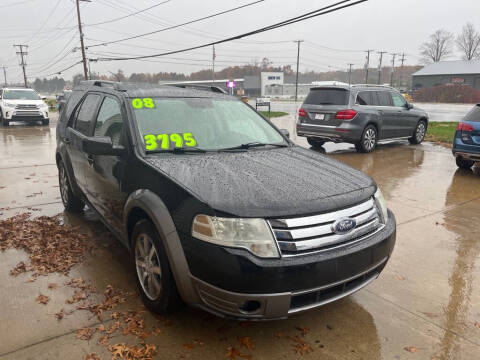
<point>466,144</point>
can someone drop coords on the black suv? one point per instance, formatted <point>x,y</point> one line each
<point>360,115</point>
<point>217,207</point>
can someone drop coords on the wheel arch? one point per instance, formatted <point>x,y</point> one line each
<point>144,204</point>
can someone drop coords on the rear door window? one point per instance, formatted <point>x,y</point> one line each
<point>86,114</point>
<point>327,97</point>
<point>473,115</point>
<point>384,98</point>
<point>367,98</point>
<point>110,121</point>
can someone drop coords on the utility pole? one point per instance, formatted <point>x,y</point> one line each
<point>23,64</point>
<point>350,74</point>
<point>401,71</point>
<point>367,65</point>
<point>5,75</point>
<point>213,64</point>
<point>298,64</point>
<point>380,66</point>
<point>393,68</point>
<point>85,71</point>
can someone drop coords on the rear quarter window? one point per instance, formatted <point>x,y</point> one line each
<point>327,97</point>
<point>473,115</point>
<point>367,98</point>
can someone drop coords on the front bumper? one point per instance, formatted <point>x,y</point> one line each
<point>12,114</point>
<point>233,283</point>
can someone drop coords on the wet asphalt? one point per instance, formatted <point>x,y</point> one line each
<point>425,304</point>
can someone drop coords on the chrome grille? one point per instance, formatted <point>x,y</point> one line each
<point>26,107</point>
<point>314,233</point>
<point>26,113</point>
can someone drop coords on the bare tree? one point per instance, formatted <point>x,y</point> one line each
<point>468,42</point>
<point>438,48</point>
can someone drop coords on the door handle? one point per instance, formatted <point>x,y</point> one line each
<point>90,159</point>
<point>66,140</point>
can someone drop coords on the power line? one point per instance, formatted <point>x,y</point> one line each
<point>129,15</point>
<point>46,20</point>
<point>179,25</point>
<point>322,11</point>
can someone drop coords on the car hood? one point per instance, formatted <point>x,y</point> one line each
<point>267,183</point>
<point>24,102</point>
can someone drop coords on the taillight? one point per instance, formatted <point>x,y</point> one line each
<point>345,114</point>
<point>302,113</point>
<point>464,127</point>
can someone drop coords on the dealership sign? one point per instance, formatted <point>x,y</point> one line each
<point>458,80</point>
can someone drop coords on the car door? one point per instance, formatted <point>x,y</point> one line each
<point>106,172</point>
<point>79,128</point>
<point>406,121</point>
<point>389,114</point>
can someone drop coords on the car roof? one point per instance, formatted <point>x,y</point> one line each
<point>151,90</point>
<point>356,87</point>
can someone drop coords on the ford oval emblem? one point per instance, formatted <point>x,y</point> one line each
<point>344,225</point>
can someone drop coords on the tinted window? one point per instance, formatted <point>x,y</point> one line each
<point>72,101</point>
<point>473,115</point>
<point>367,98</point>
<point>86,113</point>
<point>109,121</point>
<point>327,97</point>
<point>398,100</point>
<point>384,98</point>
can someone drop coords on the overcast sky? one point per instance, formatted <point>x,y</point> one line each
<point>332,41</point>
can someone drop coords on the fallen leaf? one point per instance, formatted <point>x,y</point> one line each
<point>85,334</point>
<point>279,335</point>
<point>399,277</point>
<point>477,324</point>
<point>232,353</point>
<point>52,286</point>
<point>304,331</point>
<point>42,299</point>
<point>92,356</point>
<point>301,347</point>
<point>60,315</point>
<point>246,341</point>
<point>411,349</point>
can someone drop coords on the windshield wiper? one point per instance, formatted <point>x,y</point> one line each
<point>178,151</point>
<point>252,145</point>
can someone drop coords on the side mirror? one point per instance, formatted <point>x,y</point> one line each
<point>409,106</point>
<point>101,146</point>
<point>285,133</point>
<point>44,98</point>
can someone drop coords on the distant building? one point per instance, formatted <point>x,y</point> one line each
<point>448,72</point>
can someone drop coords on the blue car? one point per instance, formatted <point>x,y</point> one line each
<point>466,144</point>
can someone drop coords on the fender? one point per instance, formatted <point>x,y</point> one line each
<point>155,208</point>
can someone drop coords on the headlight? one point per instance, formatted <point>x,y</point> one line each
<point>381,205</point>
<point>8,105</point>
<point>251,234</point>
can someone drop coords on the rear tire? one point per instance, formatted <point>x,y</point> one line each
<point>368,141</point>
<point>464,163</point>
<point>154,277</point>
<point>315,142</point>
<point>419,133</point>
<point>70,201</point>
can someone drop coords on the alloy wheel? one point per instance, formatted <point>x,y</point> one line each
<point>63,184</point>
<point>148,267</point>
<point>369,139</point>
<point>420,132</point>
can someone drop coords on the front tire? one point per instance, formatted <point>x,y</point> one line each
<point>464,163</point>
<point>419,133</point>
<point>368,141</point>
<point>4,121</point>
<point>315,142</point>
<point>154,276</point>
<point>70,201</point>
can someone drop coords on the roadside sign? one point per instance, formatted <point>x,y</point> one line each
<point>263,102</point>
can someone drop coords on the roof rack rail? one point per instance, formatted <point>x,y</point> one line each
<point>372,85</point>
<point>101,83</point>
<point>216,89</point>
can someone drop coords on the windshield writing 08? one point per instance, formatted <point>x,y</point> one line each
<point>202,123</point>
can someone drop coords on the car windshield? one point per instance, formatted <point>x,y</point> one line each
<point>20,95</point>
<point>166,124</point>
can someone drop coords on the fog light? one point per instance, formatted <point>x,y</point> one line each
<point>250,306</point>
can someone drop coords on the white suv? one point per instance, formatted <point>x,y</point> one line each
<point>19,104</point>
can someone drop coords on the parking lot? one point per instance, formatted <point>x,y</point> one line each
<point>425,305</point>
